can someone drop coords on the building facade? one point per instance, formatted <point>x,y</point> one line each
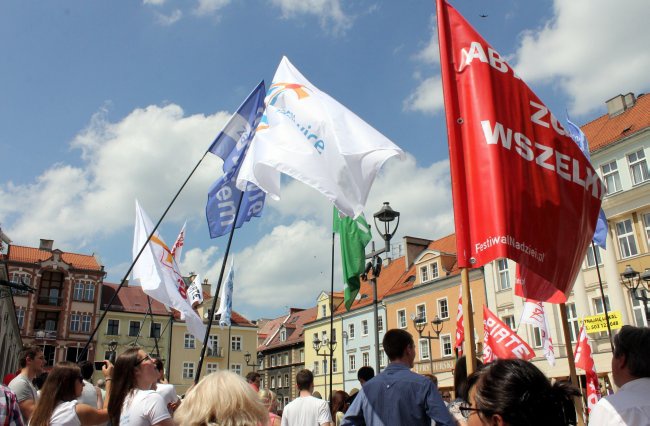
<point>10,339</point>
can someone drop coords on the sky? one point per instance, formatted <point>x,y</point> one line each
<point>104,102</point>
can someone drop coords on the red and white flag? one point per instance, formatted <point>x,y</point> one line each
<point>500,342</point>
<point>518,180</point>
<point>585,361</point>
<point>460,328</point>
<point>177,248</point>
<point>534,315</point>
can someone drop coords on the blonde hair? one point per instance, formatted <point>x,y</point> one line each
<point>267,397</point>
<point>222,398</point>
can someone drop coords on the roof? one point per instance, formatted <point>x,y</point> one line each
<point>235,317</point>
<point>606,130</point>
<point>130,299</point>
<point>270,326</point>
<point>295,323</point>
<point>33,255</point>
<point>444,245</point>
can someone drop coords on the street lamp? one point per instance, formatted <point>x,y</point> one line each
<point>329,346</point>
<point>635,281</point>
<point>420,323</point>
<point>247,358</point>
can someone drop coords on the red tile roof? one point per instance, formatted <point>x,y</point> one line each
<point>444,245</point>
<point>606,130</point>
<point>33,255</point>
<point>295,326</point>
<point>130,299</point>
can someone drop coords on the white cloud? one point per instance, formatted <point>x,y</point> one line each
<point>427,97</point>
<point>210,7</point>
<point>430,54</point>
<point>154,2</point>
<point>594,49</point>
<point>329,12</point>
<point>170,19</point>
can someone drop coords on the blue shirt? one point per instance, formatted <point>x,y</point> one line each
<point>398,396</point>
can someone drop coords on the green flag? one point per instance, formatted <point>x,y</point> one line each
<point>354,236</point>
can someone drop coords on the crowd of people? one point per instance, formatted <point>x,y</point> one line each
<point>504,392</point>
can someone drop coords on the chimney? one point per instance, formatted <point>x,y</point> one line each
<point>414,246</point>
<point>46,244</point>
<point>206,286</point>
<point>619,104</point>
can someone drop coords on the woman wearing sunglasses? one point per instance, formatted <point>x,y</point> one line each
<point>132,402</point>
<point>58,405</point>
<point>514,392</point>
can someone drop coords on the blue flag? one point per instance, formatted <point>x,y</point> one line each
<point>231,145</point>
<point>600,235</point>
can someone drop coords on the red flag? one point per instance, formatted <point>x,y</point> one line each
<point>460,328</point>
<point>522,189</point>
<point>499,341</point>
<point>585,361</point>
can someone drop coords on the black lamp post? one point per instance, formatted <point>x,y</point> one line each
<point>420,323</point>
<point>247,358</point>
<point>329,346</point>
<point>635,281</point>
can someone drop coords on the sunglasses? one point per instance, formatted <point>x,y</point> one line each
<point>142,360</point>
<point>466,410</point>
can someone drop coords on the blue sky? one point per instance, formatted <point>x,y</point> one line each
<point>103,102</point>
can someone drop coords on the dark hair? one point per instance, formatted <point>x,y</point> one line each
<point>304,379</point>
<point>365,373</point>
<point>395,343</point>
<point>521,394</point>
<point>252,376</point>
<point>59,386</point>
<point>123,382</point>
<point>634,343</point>
<point>337,403</point>
<point>159,364</point>
<point>87,369</point>
<point>460,377</point>
<point>29,351</point>
<point>431,377</point>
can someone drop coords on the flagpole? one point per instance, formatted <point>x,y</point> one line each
<point>331,345</point>
<point>169,346</point>
<point>216,295</point>
<point>468,323</point>
<point>577,400</point>
<point>602,295</point>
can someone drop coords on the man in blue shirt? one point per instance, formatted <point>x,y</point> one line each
<point>398,396</point>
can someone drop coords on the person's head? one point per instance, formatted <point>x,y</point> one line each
<point>101,383</point>
<point>160,367</point>
<point>338,402</point>
<point>399,346</point>
<point>631,349</point>
<point>515,392</point>
<point>365,373</point>
<point>63,383</point>
<point>460,377</point>
<point>305,380</point>
<point>433,378</point>
<point>222,398</point>
<point>446,396</point>
<point>87,369</point>
<point>253,378</point>
<point>133,369</point>
<point>32,359</point>
<point>268,398</point>
<point>317,395</point>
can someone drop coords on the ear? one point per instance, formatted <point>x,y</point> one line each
<point>497,420</point>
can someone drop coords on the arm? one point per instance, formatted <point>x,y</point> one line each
<point>27,408</point>
<point>436,408</point>
<point>354,415</point>
<point>324,415</point>
<point>89,416</point>
<point>100,400</point>
<point>166,422</point>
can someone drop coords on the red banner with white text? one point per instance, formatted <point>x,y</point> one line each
<point>500,341</point>
<point>522,189</point>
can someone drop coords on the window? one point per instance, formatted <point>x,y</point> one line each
<point>352,362</point>
<point>509,320</point>
<point>434,270</point>
<point>188,370</point>
<point>382,359</point>
<point>235,368</point>
<point>335,365</point>
<point>380,323</point>
<point>325,366</point>
<point>638,309</point>
<point>18,278</point>
<point>113,328</point>
<point>47,321</point>
<point>211,367</point>
<point>285,359</point>
<point>75,321</point>
<point>235,343</point>
<point>421,312</point>
<point>154,330</point>
<point>646,222</point>
<point>89,292</point>
<point>537,337</point>
<point>20,317</point>
<point>504,274</point>
<point>302,355</point>
<point>286,400</point>
<point>323,310</point>
<point>598,305</point>
<point>213,345</point>
<point>445,345</point>
<point>638,167</point>
<point>189,341</point>
<point>572,319</point>
<point>272,382</point>
<point>424,349</point>
<point>273,361</point>
<point>365,358</point>
<point>51,288</point>
<point>315,369</point>
<point>283,334</point>
<point>401,318</point>
<point>593,256</point>
<point>286,381</point>
<point>78,291</point>
<point>85,323</point>
<point>443,308</point>
<point>611,177</point>
<point>351,331</point>
<point>424,274</point>
<point>626,241</point>
<point>364,327</point>
<point>134,328</point>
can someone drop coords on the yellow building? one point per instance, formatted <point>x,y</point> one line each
<point>319,363</point>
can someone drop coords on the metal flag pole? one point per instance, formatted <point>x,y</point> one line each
<point>602,295</point>
<point>332,340</point>
<point>216,294</point>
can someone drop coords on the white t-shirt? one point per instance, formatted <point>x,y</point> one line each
<point>143,408</point>
<point>306,411</point>
<point>629,406</point>
<point>89,395</point>
<point>65,414</point>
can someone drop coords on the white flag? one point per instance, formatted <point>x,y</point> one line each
<point>533,314</point>
<point>157,273</point>
<point>195,291</point>
<point>225,304</point>
<point>309,136</point>
<point>177,248</point>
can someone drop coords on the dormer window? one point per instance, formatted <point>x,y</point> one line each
<point>323,309</point>
<point>424,274</point>
<point>283,334</point>
<point>434,270</point>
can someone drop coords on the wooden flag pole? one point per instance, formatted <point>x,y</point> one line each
<point>577,400</point>
<point>468,323</point>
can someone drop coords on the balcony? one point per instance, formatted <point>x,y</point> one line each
<point>215,352</point>
<point>50,301</point>
<point>44,335</point>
